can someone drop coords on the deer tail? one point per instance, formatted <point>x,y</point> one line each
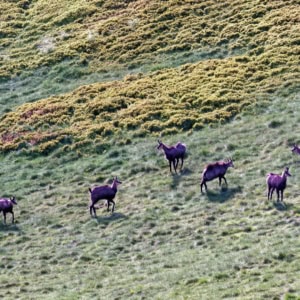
<point>90,190</point>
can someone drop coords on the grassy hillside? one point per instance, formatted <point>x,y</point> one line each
<point>87,87</point>
<point>247,52</point>
<point>165,240</point>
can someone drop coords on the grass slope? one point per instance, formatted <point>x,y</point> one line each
<point>166,101</point>
<point>223,77</point>
<point>165,240</point>
<point>50,48</point>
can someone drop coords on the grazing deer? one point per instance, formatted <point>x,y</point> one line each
<point>104,192</point>
<point>278,182</point>
<point>173,154</point>
<point>296,149</point>
<point>6,205</point>
<point>215,170</point>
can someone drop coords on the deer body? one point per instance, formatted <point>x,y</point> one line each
<point>6,206</point>
<point>104,192</point>
<point>173,154</point>
<point>278,182</point>
<point>296,149</point>
<point>215,170</point>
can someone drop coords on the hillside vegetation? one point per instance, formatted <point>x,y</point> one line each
<point>87,87</point>
<point>165,240</point>
<point>247,51</point>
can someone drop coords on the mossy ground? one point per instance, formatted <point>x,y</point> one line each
<point>222,77</point>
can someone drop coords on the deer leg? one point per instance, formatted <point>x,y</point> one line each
<point>203,183</point>
<point>181,163</point>
<point>113,208</point>
<point>170,166</point>
<point>177,161</point>
<point>225,180</point>
<point>13,217</point>
<point>4,215</point>
<point>175,165</point>
<point>277,192</point>
<point>180,158</point>
<point>92,209</point>
<point>271,192</point>
<point>108,203</point>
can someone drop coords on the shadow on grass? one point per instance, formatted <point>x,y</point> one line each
<point>177,177</point>
<point>9,227</point>
<point>223,195</point>
<point>282,206</point>
<point>110,218</point>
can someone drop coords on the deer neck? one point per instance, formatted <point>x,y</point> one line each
<point>164,147</point>
<point>227,165</point>
<point>114,186</point>
<point>284,176</point>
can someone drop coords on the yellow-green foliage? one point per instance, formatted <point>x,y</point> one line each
<point>101,33</point>
<point>182,99</point>
<point>258,43</point>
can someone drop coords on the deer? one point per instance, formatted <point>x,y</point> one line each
<point>104,192</point>
<point>296,149</point>
<point>6,206</point>
<point>173,154</point>
<point>215,170</point>
<point>278,182</point>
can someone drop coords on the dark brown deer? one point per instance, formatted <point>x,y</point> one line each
<point>173,154</point>
<point>6,206</point>
<point>296,149</point>
<point>215,170</point>
<point>104,192</point>
<point>278,182</point>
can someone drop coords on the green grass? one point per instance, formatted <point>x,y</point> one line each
<point>87,88</point>
<point>165,240</point>
<point>50,48</point>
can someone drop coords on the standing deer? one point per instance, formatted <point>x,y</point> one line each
<point>215,170</point>
<point>104,192</point>
<point>296,149</point>
<point>278,182</point>
<point>173,154</point>
<point>6,205</point>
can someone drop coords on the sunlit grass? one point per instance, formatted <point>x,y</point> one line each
<point>165,240</point>
<point>222,77</point>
